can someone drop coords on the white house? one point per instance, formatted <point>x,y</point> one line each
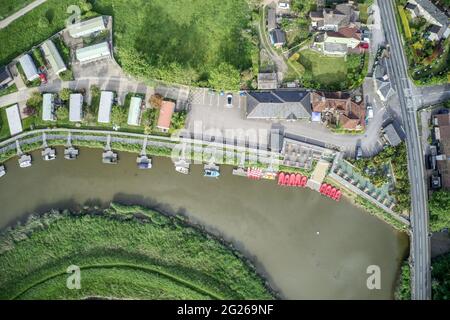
<point>94,52</point>
<point>135,111</point>
<point>76,107</point>
<point>14,120</point>
<point>440,26</point>
<point>53,57</point>
<point>28,67</point>
<point>85,28</point>
<point>48,107</point>
<point>104,110</point>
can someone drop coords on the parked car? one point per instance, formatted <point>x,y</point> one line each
<point>358,153</point>
<point>229,100</point>
<point>369,113</point>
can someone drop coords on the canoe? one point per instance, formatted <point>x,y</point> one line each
<point>286,180</point>
<point>292,180</point>
<point>304,181</point>
<point>280,178</point>
<point>338,195</point>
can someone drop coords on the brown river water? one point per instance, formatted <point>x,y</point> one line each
<point>307,246</point>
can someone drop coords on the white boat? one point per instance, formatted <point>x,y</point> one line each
<point>25,161</point>
<point>182,170</point>
<point>2,171</point>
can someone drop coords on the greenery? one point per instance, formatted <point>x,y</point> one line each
<point>4,126</point>
<point>440,274</point>
<point>123,252</point>
<point>440,279</point>
<point>188,39</point>
<point>118,115</point>
<point>8,90</point>
<point>64,94</point>
<point>403,291</point>
<point>332,73</point>
<point>428,61</point>
<point>62,113</point>
<point>376,168</point>
<point>8,7</point>
<point>33,28</point>
<point>439,205</point>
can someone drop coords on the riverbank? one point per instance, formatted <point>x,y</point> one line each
<point>146,254</point>
<point>369,207</point>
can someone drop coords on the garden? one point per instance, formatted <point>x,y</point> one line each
<point>429,61</point>
<point>124,253</point>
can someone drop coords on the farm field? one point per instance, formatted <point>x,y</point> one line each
<point>182,41</point>
<point>121,256</point>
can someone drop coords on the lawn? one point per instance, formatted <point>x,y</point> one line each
<point>124,253</point>
<point>8,7</point>
<point>324,70</point>
<point>4,126</point>
<point>11,89</point>
<point>184,41</point>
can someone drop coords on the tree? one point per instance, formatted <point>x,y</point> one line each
<point>224,77</point>
<point>148,119</point>
<point>156,100</point>
<point>64,94</point>
<point>84,6</point>
<point>118,115</point>
<point>62,113</point>
<point>179,119</point>
<point>439,210</point>
<point>95,91</point>
<point>35,101</point>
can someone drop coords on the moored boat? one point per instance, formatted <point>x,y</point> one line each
<point>304,181</point>
<point>286,180</point>
<point>280,178</point>
<point>298,180</point>
<point>2,171</point>
<point>211,173</point>
<point>338,195</point>
<point>292,180</point>
<point>181,169</point>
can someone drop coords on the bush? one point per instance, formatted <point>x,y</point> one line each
<point>66,75</point>
<point>62,113</point>
<point>64,94</point>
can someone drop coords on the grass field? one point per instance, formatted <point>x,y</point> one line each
<point>8,7</point>
<point>325,70</point>
<point>121,256</point>
<point>182,41</point>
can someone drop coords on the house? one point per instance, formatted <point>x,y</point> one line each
<point>392,135</point>
<point>267,81</point>
<point>86,28</point>
<point>277,37</point>
<point>278,105</point>
<point>271,19</point>
<point>382,82</point>
<point>104,110</point>
<point>340,109</point>
<point>346,39</point>
<point>165,115</point>
<point>327,19</point>
<point>28,67</point>
<point>134,113</point>
<point>52,55</point>
<point>14,120</point>
<point>76,107</point>
<point>94,52</point>
<point>48,107</point>
<point>440,26</point>
<point>5,76</point>
<point>442,136</point>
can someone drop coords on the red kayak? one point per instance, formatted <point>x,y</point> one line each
<point>338,195</point>
<point>298,180</point>
<point>292,180</point>
<point>280,178</point>
<point>323,187</point>
<point>333,193</point>
<point>286,180</point>
<point>328,191</point>
<point>304,181</point>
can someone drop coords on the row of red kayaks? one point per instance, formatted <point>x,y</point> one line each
<point>292,179</point>
<point>330,191</point>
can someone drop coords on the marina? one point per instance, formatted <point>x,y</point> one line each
<point>295,261</point>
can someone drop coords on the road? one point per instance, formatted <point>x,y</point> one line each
<point>420,246</point>
<point>5,22</point>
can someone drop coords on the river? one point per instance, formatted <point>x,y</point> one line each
<point>306,245</point>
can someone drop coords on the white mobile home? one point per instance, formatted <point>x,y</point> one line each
<point>28,67</point>
<point>85,28</point>
<point>104,110</point>
<point>76,107</point>
<point>48,107</point>
<point>53,57</point>
<point>135,111</point>
<point>14,120</point>
<point>97,51</point>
